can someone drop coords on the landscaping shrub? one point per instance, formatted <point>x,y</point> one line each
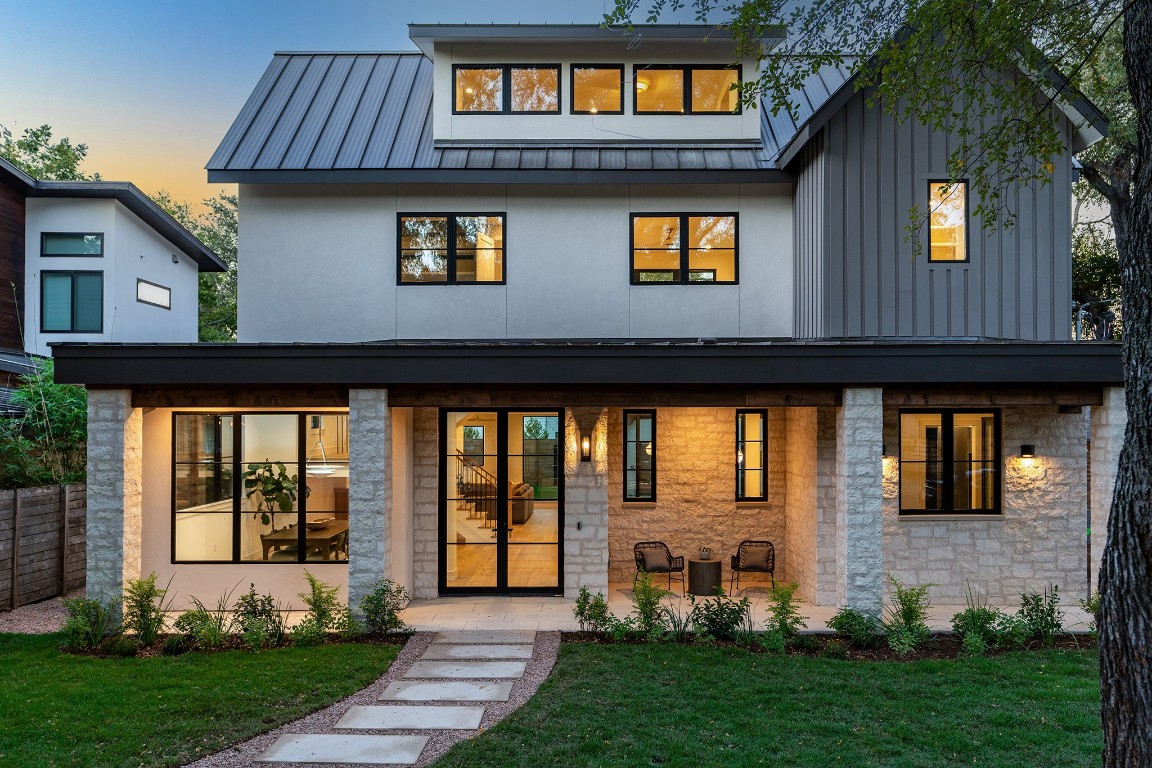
<point>783,616</point>
<point>325,610</point>
<point>592,611</point>
<point>88,623</point>
<point>646,607</point>
<point>976,624</point>
<point>719,617</point>
<point>1092,607</point>
<point>859,629</point>
<point>906,618</point>
<point>207,628</point>
<point>834,649</point>
<point>174,645</point>
<point>261,622</point>
<point>144,609</point>
<point>381,607</point>
<point>1042,615</point>
<point>120,647</point>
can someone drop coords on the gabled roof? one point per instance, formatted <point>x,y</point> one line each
<point>132,199</point>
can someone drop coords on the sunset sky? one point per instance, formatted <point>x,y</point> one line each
<point>151,87</point>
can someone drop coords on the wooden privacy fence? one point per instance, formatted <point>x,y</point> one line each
<point>42,542</point>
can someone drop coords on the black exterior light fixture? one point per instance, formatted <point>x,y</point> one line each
<point>586,448</point>
<point>1027,451</point>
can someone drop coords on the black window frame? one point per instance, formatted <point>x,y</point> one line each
<point>685,272</point>
<point>506,88</point>
<point>450,276</point>
<point>45,235</point>
<point>154,285</point>
<point>687,69</point>
<point>650,413</point>
<point>947,460</point>
<point>967,220</point>
<point>763,414</point>
<point>572,89</point>
<point>303,419</point>
<point>72,274</point>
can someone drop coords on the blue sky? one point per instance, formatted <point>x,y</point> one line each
<point>152,87</point>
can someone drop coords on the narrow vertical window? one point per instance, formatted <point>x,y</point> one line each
<point>947,221</point>
<point>751,450</point>
<point>639,455</point>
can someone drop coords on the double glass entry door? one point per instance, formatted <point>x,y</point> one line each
<point>501,500</point>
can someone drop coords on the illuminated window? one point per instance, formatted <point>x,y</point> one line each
<point>947,221</point>
<point>751,450</point>
<point>597,89</point>
<point>451,248</point>
<point>662,254</point>
<point>503,89</point>
<point>639,455</point>
<point>686,90</point>
<point>949,462</point>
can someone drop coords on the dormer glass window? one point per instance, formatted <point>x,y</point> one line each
<point>504,89</point>
<point>697,90</point>
<point>597,89</point>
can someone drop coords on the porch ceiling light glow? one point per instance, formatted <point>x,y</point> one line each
<point>586,448</point>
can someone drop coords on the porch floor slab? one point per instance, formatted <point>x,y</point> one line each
<point>466,670</point>
<point>345,748</point>
<point>392,717</point>
<point>476,652</point>
<point>446,690</point>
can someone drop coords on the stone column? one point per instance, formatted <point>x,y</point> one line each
<point>859,477</point>
<point>585,556</point>
<point>369,491</point>
<point>115,500</point>
<point>1108,423</point>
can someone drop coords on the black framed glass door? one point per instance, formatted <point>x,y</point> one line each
<point>501,501</point>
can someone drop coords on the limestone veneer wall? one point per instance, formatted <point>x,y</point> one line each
<point>800,499</point>
<point>425,503</point>
<point>696,490</point>
<point>1039,540</point>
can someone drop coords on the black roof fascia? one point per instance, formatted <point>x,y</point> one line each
<point>868,363</point>
<point>500,176</point>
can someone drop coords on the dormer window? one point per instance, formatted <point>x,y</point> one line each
<point>597,89</point>
<point>507,89</point>
<point>696,90</point>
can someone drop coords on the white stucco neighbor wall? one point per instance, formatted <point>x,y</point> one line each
<point>567,265</point>
<point>132,250</point>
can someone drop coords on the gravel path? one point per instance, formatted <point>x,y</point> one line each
<point>244,755</point>
<point>37,618</point>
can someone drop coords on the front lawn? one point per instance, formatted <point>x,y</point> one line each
<point>61,710</point>
<point>703,707</point>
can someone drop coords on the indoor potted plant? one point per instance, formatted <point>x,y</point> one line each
<point>277,489</point>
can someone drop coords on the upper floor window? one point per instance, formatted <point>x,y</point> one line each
<point>449,249</point>
<point>947,221</point>
<point>597,89</point>
<point>153,293</point>
<point>639,455</point>
<point>71,302</point>
<point>500,88</point>
<point>693,248</point>
<point>949,462</point>
<point>71,244</point>
<point>751,445</point>
<point>697,90</point>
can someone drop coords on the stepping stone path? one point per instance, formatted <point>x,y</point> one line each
<point>445,689</point>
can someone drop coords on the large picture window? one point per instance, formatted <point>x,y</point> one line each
<point>949,462</point>
<point>751,453</point>
<point>679,248</point>
<point>451,249</point>
<point>71,302</point>
<point>71,244</point>
<point>260,487</point>
<point>694,90</point>
<point>639,455</point>
<point>947,221</point>
<point>509,89</point>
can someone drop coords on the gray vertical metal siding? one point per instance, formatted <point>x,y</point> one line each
<point>1016,284</point>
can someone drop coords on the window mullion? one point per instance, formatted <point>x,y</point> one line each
<point>451,236</point>
<point>949,468</point>
<point>237,483</point>
<point>686,107</point>
<point>683,249</point>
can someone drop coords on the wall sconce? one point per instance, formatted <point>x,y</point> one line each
<point>1027,451</point>
<point>175,259</point>
<point>586,448</point>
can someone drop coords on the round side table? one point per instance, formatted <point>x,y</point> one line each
<point>703,576</point>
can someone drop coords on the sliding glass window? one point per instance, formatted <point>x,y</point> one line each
<point>695,90</point>
<point>678,248</point>
<point>450,249</point>
<point>639,455</point>
<point>71,301</point>
<point>751,452</point>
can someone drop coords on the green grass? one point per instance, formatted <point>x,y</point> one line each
<point>704,707</point>
<point>60,710</point>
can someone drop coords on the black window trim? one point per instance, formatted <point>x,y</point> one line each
<point>634,274</point>
<point>450,278</point>
<point>967,220</point>
<point>72,275</point>
<point>154,285</point>
<point>506,88</point>
<point>947,459</point>
<point>45,235</point>
<point>763,413</point>
<point>687,69</point>
<point>572,89</point>
<point>650,413</point>
<point>238,484</point>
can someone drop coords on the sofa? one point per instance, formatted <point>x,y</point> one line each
<point>521,496</point>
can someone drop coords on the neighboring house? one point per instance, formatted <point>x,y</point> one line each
<point>516,302</point>
<point>93,261</point>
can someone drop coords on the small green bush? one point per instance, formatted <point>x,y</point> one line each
<point>325,610</point>
<point>381,607</point>
<point>783,616</point>
<point>719,617</point>
<point>207,628</point>
<point>120,647</point>
<point>859,629</point>
<point>1042,615</point>
<point>261,622</point>
<point>834,649</point>
<point>592,611</point>
<point>804,642</point>
<point>906,618</point>
<point>1092,607</point>
<point>308,633</point>
<point>976,624</point>
<point>88,623</point>
<point>144,609</point>
<point>175,645</point>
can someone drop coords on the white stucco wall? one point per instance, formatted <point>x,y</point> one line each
<point>132,250</point>
<point>318,263</point>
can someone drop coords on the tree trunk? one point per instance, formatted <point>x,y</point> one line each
<point>1126,569</point>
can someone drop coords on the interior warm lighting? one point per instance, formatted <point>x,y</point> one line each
<point>586,448</point>
<point>593,110</point>
<point>641,85</point>
<point>323,468</point>
<point>469,90</point>
<point>648,448</point>
<point>740,457</point>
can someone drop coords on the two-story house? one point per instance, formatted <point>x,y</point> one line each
<point>522,299</point>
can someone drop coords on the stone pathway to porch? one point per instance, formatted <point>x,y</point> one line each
<point>444,687</point>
